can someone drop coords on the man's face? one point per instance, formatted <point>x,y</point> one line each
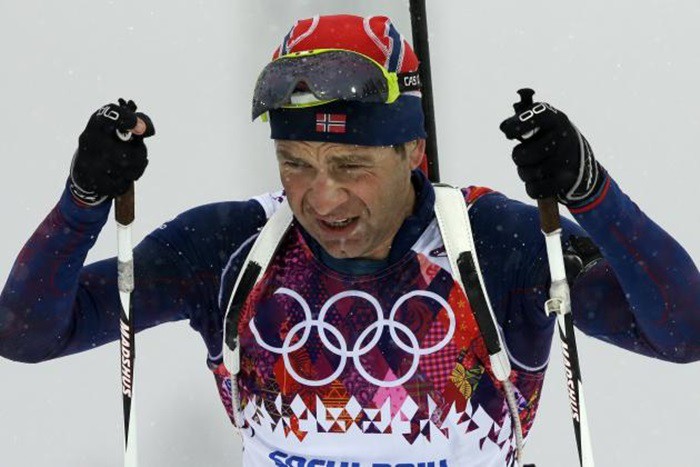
<point>350,199</point>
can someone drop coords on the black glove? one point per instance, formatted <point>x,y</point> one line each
<point>109,157</point>
<point>553,157</point>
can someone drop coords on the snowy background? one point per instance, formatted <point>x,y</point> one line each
<point>626,72</point>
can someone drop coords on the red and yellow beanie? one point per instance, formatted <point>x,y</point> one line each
<point>352,122</point>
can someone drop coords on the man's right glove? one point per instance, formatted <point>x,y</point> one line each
<point>553,157</point>
<point>111,153</point>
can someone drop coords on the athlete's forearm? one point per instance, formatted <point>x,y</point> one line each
<point>54,306</point>
<point>647,295</point>
<point>36,303</point>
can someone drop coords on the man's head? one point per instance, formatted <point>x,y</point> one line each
<point>351,199</point>
<point>342,94</point>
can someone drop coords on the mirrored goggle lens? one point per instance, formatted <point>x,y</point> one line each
<point>328,76</point>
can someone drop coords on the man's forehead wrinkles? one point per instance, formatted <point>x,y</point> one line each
<point>331,152</point>
<point>294,146</point>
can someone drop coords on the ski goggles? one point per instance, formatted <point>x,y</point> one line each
<point>317,77</point>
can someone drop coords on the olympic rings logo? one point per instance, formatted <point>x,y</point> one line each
<point>367,339</point>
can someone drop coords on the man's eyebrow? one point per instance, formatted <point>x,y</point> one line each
<point>284,154</point>
<point>352,158</point>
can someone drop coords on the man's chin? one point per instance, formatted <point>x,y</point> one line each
<point>340,250</point>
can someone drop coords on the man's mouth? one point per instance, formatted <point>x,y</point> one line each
<point>337,224</point>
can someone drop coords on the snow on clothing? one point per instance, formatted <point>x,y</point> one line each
<point>645,296</point>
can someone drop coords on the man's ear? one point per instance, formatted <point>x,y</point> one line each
<point>416,152</point>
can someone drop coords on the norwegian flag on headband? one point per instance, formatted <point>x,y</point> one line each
<point>330,123</point>
<point>373,36</point>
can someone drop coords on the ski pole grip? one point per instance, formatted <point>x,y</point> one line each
<point>549,214</point>
<point>124,207</point>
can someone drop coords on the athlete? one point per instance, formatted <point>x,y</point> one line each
<point>358,345</point>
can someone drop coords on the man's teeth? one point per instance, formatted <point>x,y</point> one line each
<point>339,223</point>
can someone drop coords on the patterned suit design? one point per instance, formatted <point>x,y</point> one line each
<point>390,361</point>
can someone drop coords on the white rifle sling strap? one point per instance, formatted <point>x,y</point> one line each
<point>453,221</point>
<point>255,264</point>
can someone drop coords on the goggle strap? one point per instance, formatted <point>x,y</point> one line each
<point>409,81</point>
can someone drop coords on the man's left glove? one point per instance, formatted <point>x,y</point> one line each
<point>553,157</point>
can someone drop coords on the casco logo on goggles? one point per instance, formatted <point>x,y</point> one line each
<point>316,77</point>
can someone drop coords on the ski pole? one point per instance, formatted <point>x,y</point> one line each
<point>560,303</point>
<point>124,215</point>
<point>419,29</point>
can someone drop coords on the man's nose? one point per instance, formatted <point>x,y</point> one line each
<point>326,194</point>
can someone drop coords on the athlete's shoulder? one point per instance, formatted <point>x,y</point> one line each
<point>487,202</point>
<point>226,218</point>
<point>473,192</point>
<point>207,236</point>
<point>270,201</point>
<point>264,205</point>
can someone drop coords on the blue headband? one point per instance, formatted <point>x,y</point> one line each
<point>350,122</point>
